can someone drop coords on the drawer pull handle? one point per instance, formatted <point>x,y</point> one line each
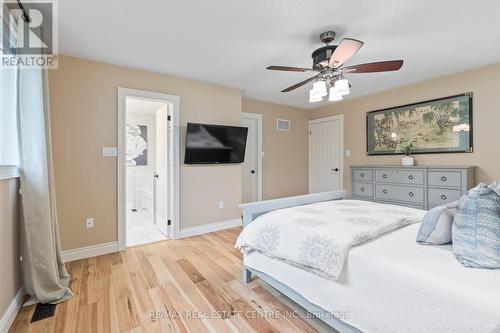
<point>410,194</point>
<point>384,176</point>
<point>443,197</point>
<point>362,175</point>
<point>384,191</point>
<point>443,178</point>
<point>362,189</point>
<point>410,177</point>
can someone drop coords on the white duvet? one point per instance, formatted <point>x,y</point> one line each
<point>317,237</point>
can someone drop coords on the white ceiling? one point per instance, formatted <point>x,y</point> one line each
<point>230,42</point>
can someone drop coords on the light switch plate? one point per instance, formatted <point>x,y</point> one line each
<point>109,151</point>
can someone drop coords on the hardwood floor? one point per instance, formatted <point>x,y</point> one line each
<point>168,287</point>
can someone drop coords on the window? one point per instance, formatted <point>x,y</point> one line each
<point>9,154</point>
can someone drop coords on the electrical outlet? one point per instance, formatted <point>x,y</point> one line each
<point>221,204</point>
<point>89,222</point>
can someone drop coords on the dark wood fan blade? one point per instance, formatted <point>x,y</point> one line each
<point>290,69</point>
<point>300,84</point>
<point>373,67</point>
<point>346,49</point>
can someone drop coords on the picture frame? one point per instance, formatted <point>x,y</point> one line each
<point>436,126</point>
<point>137,145</point>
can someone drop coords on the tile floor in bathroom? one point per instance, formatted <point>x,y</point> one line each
<point>140,228</point>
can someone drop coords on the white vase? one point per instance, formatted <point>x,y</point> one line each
<point>407,161</point>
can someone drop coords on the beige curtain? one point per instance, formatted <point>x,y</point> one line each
<point>46,279</point>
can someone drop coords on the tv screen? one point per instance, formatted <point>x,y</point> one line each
<point>207,144</point>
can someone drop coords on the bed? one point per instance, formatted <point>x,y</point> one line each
<point>388,284</point>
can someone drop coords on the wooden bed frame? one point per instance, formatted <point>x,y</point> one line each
<point>253,210</point>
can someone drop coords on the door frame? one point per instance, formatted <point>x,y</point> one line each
<point>258,117</point>
<point>173,188</point>
<point>340,118</point>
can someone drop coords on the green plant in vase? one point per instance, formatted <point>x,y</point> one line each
<point>407,160</point>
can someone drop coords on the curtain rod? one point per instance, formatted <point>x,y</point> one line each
<point>26,17</point>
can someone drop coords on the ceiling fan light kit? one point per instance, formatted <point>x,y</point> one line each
<point>328,63</point>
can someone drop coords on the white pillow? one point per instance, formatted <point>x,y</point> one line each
<point>436,226</point>
<point>442,231</point>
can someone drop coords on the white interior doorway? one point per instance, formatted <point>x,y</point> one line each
<point>148,167</point>
<point>251,170</point>
<point>326,158</point>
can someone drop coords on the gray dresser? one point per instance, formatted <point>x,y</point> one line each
<point>422,187</point>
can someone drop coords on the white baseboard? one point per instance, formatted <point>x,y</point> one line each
<point>89,251</point>
<point>98,250</point>
<point>10,314</point>
<point>206,228</point>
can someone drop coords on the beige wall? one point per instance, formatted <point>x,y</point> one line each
<point>11,278</point>
<point>84,112</point>
<point>484,83</point>
<point>84,117</point>
<point>285,164</point>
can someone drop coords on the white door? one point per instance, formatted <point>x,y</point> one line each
<point>161,179</point>
<point>249,169</point>
<point>325,155</point>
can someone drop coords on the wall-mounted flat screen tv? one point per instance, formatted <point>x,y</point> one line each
<point>210,144</point>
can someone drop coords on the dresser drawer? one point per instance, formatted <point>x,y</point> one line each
<point>445,178</point>
<point>363,175</point>
<point>386,175</point>
<point>442,196</point>
<point>412,177</point>
<point>400,193</point>
<point>363,189</point>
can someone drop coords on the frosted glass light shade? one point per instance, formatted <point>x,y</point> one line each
<point>342,87</point>
<point>313,97</point>
<point>334,95</point>
<point>319,88</point>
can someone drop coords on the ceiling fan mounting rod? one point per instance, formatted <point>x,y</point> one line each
<point>327,37</point>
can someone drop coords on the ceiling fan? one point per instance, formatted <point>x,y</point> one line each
<point>328,63</point>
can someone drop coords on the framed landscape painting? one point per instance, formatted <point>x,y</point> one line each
<point>437,126</point>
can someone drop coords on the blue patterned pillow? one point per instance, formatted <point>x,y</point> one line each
<point>476,227</point>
